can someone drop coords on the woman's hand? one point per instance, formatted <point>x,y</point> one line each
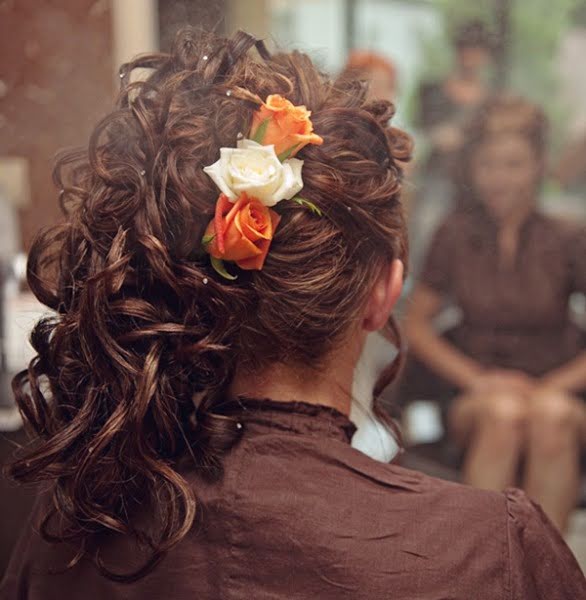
<point>569,377</point>
<point>504,380</point>
<point>447,137</point>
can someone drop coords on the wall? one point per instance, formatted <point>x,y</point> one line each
<point>56,82</point>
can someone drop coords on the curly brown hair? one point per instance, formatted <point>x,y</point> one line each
<point>130,371</point>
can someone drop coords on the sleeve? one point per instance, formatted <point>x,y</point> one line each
<point>14,583</point>
<point>577,252</point>
<point>439,260</point>
<point>541,566</point>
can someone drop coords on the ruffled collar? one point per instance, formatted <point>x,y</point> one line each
<point>297,417</point>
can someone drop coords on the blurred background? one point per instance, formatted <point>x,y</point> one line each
<point>437,59</point>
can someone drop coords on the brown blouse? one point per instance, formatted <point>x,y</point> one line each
<point>514,317</point>
<point>300,514</point>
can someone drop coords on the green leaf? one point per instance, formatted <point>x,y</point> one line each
<point>312,207</point>
<point>287,153</point>
<point>260,131</point>
<point>208,239</point>
<point>220,269</point>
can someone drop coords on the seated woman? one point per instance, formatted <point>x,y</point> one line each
<point>190,397</point>
<point>515,366</point>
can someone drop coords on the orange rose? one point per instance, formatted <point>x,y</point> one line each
<point>286,126</point>
<point>241,231</point>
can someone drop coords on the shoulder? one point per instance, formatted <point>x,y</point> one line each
<point>457,229</point>
<point>502,540</point>
<point>561,229</point>
<point>540,563</point>
<point>459,532</point>
<point>461,503</point>
<point>460,220</point>
<point>561,241</point>
<point>434,496</point>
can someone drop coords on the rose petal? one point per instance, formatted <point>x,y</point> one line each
<point>261,184</point>
<point>252,230</point>
<point>287,126</point>
<point>256,263</point>
<point>292,181</point>
<point>256,170</point>
<point>224,214</point>
<point>246,144</point>
<point>231,215</point>
<point>218,174</point>
<point>238,247</point>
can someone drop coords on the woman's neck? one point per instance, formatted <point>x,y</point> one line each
<point>508,234</point>
<point>515,220</point>
<point>465,88</point>
<point>286,385</point>
<point>331,386</point>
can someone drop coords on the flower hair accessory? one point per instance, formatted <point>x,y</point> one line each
<point>283,125</point>
<point>253,178</point>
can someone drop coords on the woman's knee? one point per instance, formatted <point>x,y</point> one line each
<point>555,410</point>
<point>506,410</point>
<point>505,415</point>
<point>556,422</point>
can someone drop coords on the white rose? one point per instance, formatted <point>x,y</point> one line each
<point>256,170</point>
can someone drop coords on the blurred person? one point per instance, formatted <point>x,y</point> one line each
<point>445,108</point>
<point>381,75</point>
<point>379,71</point>
<point>190,396</point>
<point>569,197</point>
<point>514,369</point>
<point>570,170</point>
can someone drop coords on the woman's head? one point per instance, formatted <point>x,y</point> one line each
<point>503,157</point>
<point>378,70</point>
<point>474,47</point>
<point>145,329</point>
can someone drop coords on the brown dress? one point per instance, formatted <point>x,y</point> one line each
<point>300,514</point>
<point>514,317</point>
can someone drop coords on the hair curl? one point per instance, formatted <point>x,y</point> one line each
<point>129,369</point>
